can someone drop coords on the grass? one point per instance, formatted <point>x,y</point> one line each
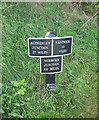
<point>23,88</point>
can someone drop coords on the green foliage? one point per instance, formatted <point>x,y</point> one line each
<point>90,8</point>
<point>20,89</point>
<point>23,88</point>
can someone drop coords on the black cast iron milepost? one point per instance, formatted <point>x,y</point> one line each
<point>51,50</point>
<point>50,78</point>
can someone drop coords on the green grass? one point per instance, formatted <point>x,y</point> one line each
<point>23,87</point>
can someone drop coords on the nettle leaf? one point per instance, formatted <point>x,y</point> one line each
<point>21,91</point>
<point>15,83</point>
<point>15,115</point>
<point>22,81</point>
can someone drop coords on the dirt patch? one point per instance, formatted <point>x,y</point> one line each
<point>90,108</point>
<point>36,5</point>
<point>72,12</point>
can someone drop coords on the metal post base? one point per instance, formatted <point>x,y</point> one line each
<point>50,82</point>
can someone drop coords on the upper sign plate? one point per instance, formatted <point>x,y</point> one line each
<point>56,46</point>
<point>38,47</point>
<point>62,46</point>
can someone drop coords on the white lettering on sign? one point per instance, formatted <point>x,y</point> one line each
<point>62,51</point>
<point>63,46</point>
<point>40,47</point>
<point>40,43</point>
<point>51,64</point>
<point>51,60</point>
<point>63,42</point>
<point>34,52</point>
<point>42,52</point>
<point>54,68</point>
<point>46,69</point>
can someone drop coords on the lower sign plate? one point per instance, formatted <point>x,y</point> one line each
<point>49,65</point>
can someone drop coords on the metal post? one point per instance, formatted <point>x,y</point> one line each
<point>50,78</point>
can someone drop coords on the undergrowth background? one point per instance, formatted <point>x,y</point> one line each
<point>23,87</point>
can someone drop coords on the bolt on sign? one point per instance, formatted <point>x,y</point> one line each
<point>50,51</point>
